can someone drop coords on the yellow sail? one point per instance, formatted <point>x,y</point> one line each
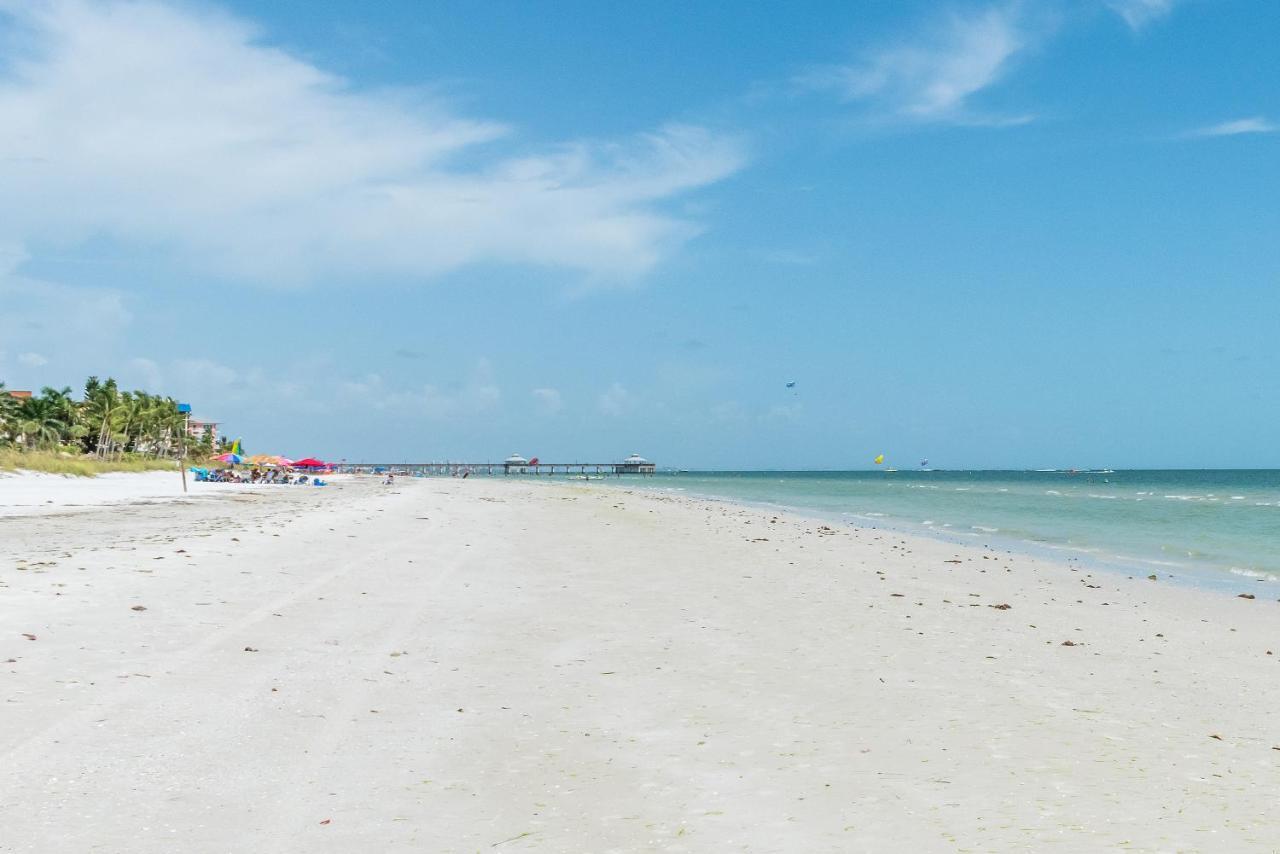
<point>879,459</point>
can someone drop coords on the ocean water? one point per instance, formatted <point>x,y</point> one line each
<point>1210,527</point>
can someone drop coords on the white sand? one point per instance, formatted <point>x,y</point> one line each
<point>484,665</point>
<point>27,493</point>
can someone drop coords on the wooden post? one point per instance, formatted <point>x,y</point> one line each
<point>182,457</point>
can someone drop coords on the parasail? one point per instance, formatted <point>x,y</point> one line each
<point>879,459</point>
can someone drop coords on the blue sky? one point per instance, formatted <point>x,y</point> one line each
<point>990,234</point>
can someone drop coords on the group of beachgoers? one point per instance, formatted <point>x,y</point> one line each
<point>256,476</point>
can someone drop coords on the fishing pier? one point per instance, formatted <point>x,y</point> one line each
<point>513,465</point>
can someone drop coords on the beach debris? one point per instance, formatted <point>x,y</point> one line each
<point>953,560</point>
<point>138,608</point>
<point>1151,577</point>
<point>28,636</point>
<point>250,649</point>
<point>326,821</point>
<point>1215,735</point>
<point>1245,596</point>
<point>899,595</point>
<point>1003,606</point>
<point>1071,643</point>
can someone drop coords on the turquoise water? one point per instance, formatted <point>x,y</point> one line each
<point>1203,526</point>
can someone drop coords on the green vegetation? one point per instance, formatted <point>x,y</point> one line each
<point>12,459</point>
<point>105,430</point>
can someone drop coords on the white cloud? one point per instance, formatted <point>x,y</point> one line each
<point>149,374</point>
<point>1138,13</point>
<point>1254,124</point>
<point>34,309</point>
<point>931,78</point>
<point>203,373</point>
<point>178,129</point>
<point>548,400</point>
<point>32,360</point>
<point>615,401</point>
<point>477,394</point>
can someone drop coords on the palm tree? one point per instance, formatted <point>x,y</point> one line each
<point>101,407</point>
<point>106,422</point>
<point>39,421</point>
<point>9,407</point>
<point>63,406</point>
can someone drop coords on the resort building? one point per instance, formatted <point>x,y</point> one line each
<point>196,428</point>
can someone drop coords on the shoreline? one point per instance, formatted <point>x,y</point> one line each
<point>452,665</point>
<point>1200,576</point>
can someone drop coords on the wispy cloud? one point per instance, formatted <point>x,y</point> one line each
<point>1139,13</point>
<point>1235,127</point>
<point>932,76</point>
<point>548,400</point>
<point>615,400</point>
<point>179,129</point>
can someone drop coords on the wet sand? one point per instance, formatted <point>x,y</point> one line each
<point>486,665</point>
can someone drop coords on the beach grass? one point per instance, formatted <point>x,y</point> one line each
<point>51,462</point>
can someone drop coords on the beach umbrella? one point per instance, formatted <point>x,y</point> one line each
<point>229,458</point>
<point>310,463</point>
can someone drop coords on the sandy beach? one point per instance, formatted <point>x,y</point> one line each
<point>478,665</point>
<point>32,493</point>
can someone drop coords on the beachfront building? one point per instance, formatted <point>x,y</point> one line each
<point>20,395</point>
<point>196,428</point>
<point>515,463</point>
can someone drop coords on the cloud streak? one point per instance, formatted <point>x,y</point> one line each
<point>1139,13</point>
<point>1236,127</point>
<point>179,130</point>
<point>933,75</point>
